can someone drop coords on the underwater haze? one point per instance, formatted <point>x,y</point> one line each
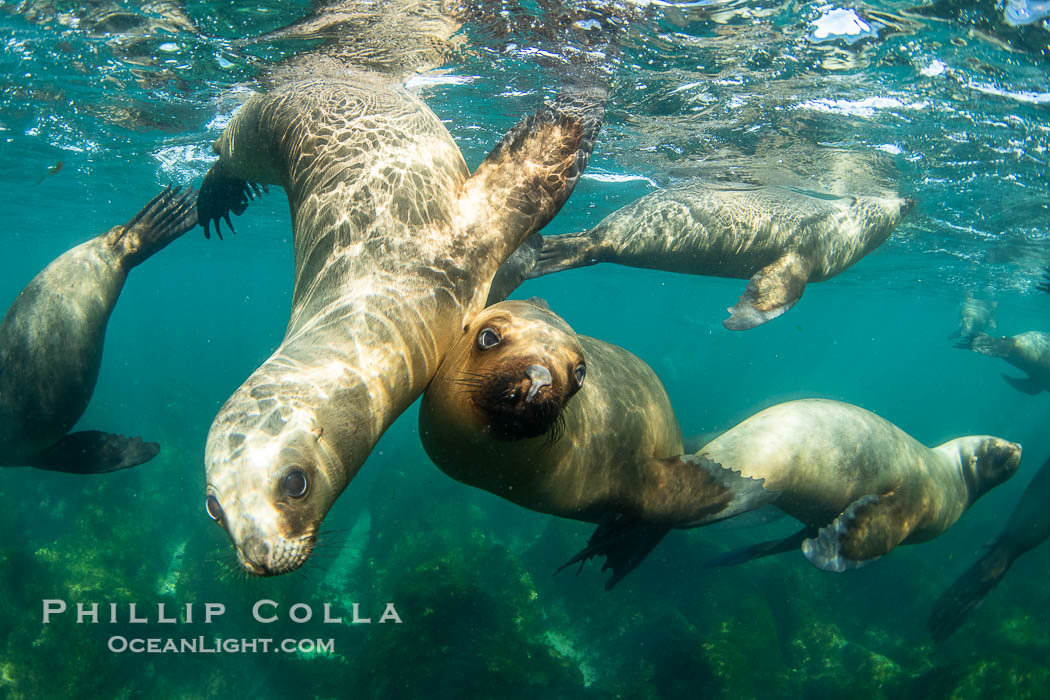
<point>104,103</point>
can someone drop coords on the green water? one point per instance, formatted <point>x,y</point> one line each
<point>950,104</point>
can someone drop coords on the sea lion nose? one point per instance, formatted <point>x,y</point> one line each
<point>540,377</point>
<point>255,550</point>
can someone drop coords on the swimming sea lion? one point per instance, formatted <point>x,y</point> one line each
<point>1027,528</point>
<point>1029,352</point>
<point>51,345</point>
<point>975,316</point>
<point>859,483</point>
<point>395,246</point>
<point>509,412</point>
<point>780,238</point>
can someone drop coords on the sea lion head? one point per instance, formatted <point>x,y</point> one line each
<point>987,462</point>
<point>271,480</point>
<point>517,365</point>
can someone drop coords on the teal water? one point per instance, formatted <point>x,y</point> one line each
<point>950,103</point>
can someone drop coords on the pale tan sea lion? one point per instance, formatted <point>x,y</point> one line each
<point>51,343</point>
<point>781,238</point>
<point>860,484</point>
<point>975,316</point>
<point>1029,352</point>
<point>509,411</point>
<point>395,246</point>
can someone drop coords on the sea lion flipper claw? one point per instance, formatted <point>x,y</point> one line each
<point>564,252</point>
<point>869,527</point>
<point>222,193</point>
<point>164,218</point>
<point>95,452</point>
<point>771,291</point>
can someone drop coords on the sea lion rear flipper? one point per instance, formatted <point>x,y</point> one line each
<point>221,192</point>
<point>529,175</point>
<point>623,541</point>
<point>870,527</point>
<point>167,216</point>
<point>1027,385</point>
<point>968,591</point>
<point>95,452</point>
<point>762,549</point>
<point>772,290</point>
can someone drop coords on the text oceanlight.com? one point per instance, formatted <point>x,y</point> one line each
<point>204,645</point>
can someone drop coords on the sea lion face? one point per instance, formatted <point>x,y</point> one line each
<point>270,492</point>
<point>989,461</point>
<point>520,363</point>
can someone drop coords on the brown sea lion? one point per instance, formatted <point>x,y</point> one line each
<point>509,412</point>
<point>860,484</point>
<point>1029,352</point>
<point>396,244</point>
<point>781,238</point>
<point>51,345</point>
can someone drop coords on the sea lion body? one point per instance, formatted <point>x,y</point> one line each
<point>1027,528</point>
<point>777,237</point>
<point>605,450</point>
<point>395,245</point>
<point>1028,352</point>
<point>975,316</point>
<point>51,342</point>
<point>864,482</point>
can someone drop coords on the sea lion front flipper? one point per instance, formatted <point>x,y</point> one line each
<point>1027,385</point>
<point>987,345</point>
<point>762,549</point>
<point>95,452</point>
<point>564,252</point>
<point>222,192</point>
<point>167,216</point>
<point>529,175</point>
<point>968,591</point>
<point>772,290</point>
<point>623,541</point>
<point>870,527</point>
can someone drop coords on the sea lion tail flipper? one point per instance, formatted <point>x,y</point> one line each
<point>1027,385</point>
<point>987,345</point>
<point>870,527</point>
<point>771,291</point>
<point>526,179</point>
<point>95,452</point>
<point>968,591</point>
<point>762,549</point>
<point>222,193</point>
<point>623,541</point>
<point>167,216</point>
<point>564,252</point>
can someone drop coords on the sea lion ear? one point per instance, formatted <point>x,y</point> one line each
<point>317,431</point>
<point>539,302</point>
<point>526,179</point>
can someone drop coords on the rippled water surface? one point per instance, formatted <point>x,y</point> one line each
<point>104,103</point>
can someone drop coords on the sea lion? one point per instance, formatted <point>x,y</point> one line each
<point>395,247</point>
<point>1027,528</point>
<point>781,238</point>
<point>975,316</point>
<point>51,345</point>
<point>509,412</point>
<point>859,483</point>
<point>1029,352</point>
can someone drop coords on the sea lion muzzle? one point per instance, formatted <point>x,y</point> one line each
<point>540,377</point>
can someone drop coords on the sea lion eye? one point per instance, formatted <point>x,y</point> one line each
<point>488,338</point>
<point>294,483</point>
<point>211,504</point>
<point>580,373</point>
